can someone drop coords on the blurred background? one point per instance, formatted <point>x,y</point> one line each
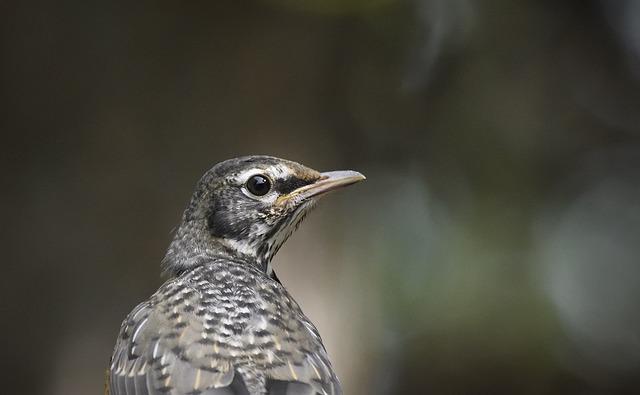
<point>494,248</point>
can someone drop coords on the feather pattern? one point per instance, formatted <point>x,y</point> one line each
<point>223,328</point>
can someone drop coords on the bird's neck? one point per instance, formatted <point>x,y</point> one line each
<point>192,245</point>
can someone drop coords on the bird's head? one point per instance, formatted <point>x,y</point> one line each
<point>246,208</point>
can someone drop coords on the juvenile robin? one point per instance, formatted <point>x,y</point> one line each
<point>223,323</point>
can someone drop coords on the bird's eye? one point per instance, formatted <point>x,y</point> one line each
<point>258,185</point>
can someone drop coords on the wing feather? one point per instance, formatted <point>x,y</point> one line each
<point>193,338</point>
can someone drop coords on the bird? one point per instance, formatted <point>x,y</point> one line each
<point>223,323</point>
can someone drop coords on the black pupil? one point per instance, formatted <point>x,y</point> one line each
<point>258,185</point>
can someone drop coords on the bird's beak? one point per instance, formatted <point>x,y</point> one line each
<point>328,181</point>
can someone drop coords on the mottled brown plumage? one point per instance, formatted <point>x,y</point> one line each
<point>224,324</point>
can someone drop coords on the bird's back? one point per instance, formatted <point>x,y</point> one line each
<point>223,327</point>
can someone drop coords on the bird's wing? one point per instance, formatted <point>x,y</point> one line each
<point>161,350</point>
<point>179,342</point>
<point>300,362</point>
<point>294,358</point>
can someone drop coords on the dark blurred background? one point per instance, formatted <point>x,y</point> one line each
<point>494,248</point>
